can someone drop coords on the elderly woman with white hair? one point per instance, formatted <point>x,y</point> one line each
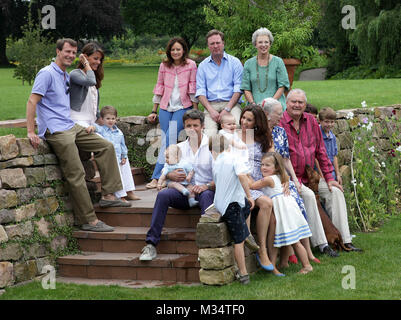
<point>274,113</point>
<point>265,74</point>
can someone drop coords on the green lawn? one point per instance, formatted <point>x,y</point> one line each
<point>377,272</point>
<point>129,89</point>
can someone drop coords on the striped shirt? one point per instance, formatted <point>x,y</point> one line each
<point>306,145</point>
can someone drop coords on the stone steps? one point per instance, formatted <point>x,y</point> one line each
<point>127,266</point>
<point>114,256</point>
<point>132,240</point>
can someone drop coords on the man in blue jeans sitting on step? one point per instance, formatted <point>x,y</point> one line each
<point>195,150</point>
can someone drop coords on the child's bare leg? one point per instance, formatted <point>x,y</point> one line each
<point>240,257</point>
<point>305,242</point>
<point>176,185</point>
<point>271,250</point>
<point>190,187</point>
<point>262,225</point>
<point>303,256</point>
<point>285,252</point>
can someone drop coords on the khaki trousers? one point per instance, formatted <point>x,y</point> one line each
<point>65,145</point>
<point>211,127</point>
<point>336,207</point>
<point>315,224</point>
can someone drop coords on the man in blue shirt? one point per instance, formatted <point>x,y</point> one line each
<point>218,83</point>
<point>50,98</point>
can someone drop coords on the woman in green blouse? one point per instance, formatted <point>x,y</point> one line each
<point>264,75</point>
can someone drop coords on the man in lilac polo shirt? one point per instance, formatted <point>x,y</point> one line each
<point>218,83</point>
<point>306,144</point>
<point>50,99</point>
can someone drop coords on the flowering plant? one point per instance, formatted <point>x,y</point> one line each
<point>374,191</point>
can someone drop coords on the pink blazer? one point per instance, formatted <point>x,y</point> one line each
<point>186,83</point>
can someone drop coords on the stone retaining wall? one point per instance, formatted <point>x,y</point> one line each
<point>35,223</point>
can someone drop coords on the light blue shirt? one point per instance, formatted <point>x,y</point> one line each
<point>116,137</point>
<point>226,169</point>
<point>219,82</point>
<point>182,164</point>
<point>53,110</point>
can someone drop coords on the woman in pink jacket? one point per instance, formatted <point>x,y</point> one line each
<point>175,94</point>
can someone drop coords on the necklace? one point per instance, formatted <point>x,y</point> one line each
<point>267,73</point>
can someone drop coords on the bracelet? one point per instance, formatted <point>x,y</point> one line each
<point>155,112</point>
<point>227,109</point>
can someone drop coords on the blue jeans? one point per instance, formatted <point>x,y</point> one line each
<point>172,198</point>
<point>171,125</point>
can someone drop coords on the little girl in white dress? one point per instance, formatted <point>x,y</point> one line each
<point>291,225</point>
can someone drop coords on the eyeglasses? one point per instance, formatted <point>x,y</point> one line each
<point>67,88</point>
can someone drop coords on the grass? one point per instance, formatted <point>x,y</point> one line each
<point>376,277</point>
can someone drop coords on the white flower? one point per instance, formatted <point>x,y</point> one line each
<point>369,126</point>
<point>364,104</point>
<point>350,115</point>
<point>372,149</point>
<point>398,149</point>
<point>383,164</point>
<point>353,182</point>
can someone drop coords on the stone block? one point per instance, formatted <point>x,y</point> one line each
<point>19,230</point>
<point>341,126</point>
<point>28,194</point>
<point>59,243</point>
<point>53,173</point>
<point>344,140</point>
<point>61,220</point>
<point>35,175</point>
<point>17,162</point>
<point>3,235</point>
<point>6,274</point>
<point>212,235</point>
<point>211,215</point>
<point>8,147</point>
<point>216,258</point>
<point>43,227</point>
<point>38,160</point>
<point>42,262</point>
<point>139,120</point>
<point>344,157</point>
<point>7,215</point>
<point>49,192</point>
<point>25,271</point>
<point>345,172</point>
<point>25,147</point>
<point>25,212</point>
<point>8,199</point>
<point>12,251</point>
<point>36,250</point>
<point>217,277</point>
<point>13,178</point>
<point>43,148</point>
<point>46,206</point>
<point>383,112</point>
<point>50,159</point>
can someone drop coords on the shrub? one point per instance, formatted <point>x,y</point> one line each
<point>375,189</point>
<point>33,52</point>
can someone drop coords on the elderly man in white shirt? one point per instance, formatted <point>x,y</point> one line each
<point>195,150</point>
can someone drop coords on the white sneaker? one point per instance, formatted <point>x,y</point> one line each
<point>148,253</point>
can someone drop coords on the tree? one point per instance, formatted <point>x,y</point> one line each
<point>375,40</point>
<point>87,19</point>
<point>35,52</point>
<point>291,22</point>
<point>185,18</point>
<point>12,17</point>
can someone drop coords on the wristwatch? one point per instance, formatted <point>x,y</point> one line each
<point>209,186</point>
<point>227,109</point>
